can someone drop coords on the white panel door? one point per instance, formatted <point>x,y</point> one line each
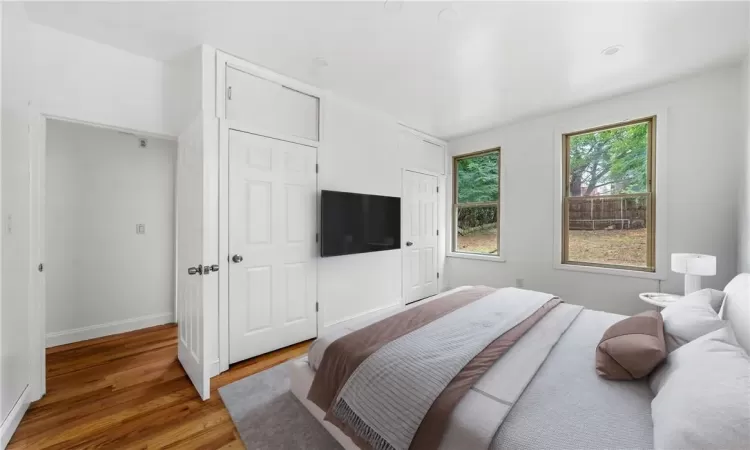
<point>419,228</point>
<point>272,226</point>
<point>192,302</point>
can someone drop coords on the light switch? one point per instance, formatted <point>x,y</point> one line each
<point>140,228</point>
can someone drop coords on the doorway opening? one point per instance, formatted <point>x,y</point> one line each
<point>105,225</point>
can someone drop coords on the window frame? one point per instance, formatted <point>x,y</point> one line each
<point>651,257</point>
<point>455,205</point>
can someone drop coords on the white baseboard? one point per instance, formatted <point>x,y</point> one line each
<point>106,329</point>
<point>14,418</point>
<point>397,304</point>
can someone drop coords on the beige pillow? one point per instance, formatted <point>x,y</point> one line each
<point>632,347</point>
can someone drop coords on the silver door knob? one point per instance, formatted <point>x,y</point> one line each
<point>192,270</point>
<point>409,243</point>
<point>237,259</point>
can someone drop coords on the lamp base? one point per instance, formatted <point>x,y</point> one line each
<point>692,283</point>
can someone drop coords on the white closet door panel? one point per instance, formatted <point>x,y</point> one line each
<point>269,106</point>
<point>419,230</point>
<point>272,210</point>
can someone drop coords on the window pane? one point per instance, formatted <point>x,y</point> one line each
<point>477,230</point>
<point>609,162</point>
<point>478,178</point>
<point>609,231</point>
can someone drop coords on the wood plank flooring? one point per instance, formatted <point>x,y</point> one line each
<point>128,391</point>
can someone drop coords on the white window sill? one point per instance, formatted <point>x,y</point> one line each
<point>611,271</point>
<point>476,256</point>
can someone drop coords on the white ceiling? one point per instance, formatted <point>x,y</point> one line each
<point>494,63</point>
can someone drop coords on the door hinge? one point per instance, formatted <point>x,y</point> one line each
<point>316,237</point>
<point>316,168</point>
<point>437,232</point>
<point>438,275</point>
<point>40,267</point>
<point>229,93</point>
<point>437,188</point>
<point>317,306</point>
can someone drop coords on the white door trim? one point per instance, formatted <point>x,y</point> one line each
<point>37,294</point>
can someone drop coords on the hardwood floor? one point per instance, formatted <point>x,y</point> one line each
<point>129,391</point>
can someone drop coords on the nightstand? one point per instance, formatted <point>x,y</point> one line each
<point>659,299</point>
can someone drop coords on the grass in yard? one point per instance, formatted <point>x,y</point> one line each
<point>482,241</point>
<point>622,247</point>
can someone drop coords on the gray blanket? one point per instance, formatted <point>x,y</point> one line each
<point>385,407</point>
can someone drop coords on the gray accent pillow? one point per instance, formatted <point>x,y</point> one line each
<point>703,395</point>
<point>691,317</point>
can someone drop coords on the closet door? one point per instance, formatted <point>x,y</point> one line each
<point>272,225</point>
<point>419,234</point>
<point>269,106</point>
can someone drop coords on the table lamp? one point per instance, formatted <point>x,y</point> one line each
<point>694,266</point>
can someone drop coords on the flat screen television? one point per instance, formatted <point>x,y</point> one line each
<point>358,223</point>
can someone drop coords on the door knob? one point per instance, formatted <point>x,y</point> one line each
<point>214,268</point>
<point>237,258</point>
<point>409,243</point>
<point>192,270</point>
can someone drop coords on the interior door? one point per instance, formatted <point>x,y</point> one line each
<point>419,233</point>
<point>191,308</point>
<point>272,226</point>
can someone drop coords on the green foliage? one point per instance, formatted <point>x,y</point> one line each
<point>478,178</point>
<point>615,160</point>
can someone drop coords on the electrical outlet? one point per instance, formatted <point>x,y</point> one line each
<point>143,142</point>
<point>519,282</point>
<point>140,228</point>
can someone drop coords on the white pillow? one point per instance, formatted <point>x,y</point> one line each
<point>690,318</point>
<point>703,395</point>
<point>711,297</point>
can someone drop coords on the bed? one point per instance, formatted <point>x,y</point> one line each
<point>559,403</point>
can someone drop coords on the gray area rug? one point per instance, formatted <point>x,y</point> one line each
<point>268,416</point>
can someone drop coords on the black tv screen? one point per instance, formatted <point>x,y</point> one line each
<point>358,223</point>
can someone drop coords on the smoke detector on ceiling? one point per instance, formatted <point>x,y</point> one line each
<point>448,15</point>
<point>612,50</point>
<point>393,6</point>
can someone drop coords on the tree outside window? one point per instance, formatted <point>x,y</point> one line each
<point>476,203</point>
<point>609,201</point>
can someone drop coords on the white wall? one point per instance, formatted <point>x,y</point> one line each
<point>15,207</point>
<point>364,151</point>
<point>87,81</point>
<point>102,277</point>
<point>704,135</point>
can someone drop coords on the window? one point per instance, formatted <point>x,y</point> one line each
<point>608,204</point>
<point>476,202</point>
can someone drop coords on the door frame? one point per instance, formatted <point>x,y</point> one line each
<point>37,240</point>
<point>224,60</point>
<point>225,126</point>
<point>440,254</point>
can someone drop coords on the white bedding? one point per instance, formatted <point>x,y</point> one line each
<point>566,405</point>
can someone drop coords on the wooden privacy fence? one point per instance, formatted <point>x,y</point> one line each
<point>607,212</point>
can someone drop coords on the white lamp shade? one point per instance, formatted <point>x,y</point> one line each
<point>694,264</point>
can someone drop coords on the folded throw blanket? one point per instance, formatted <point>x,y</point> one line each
<point>389,394</point>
